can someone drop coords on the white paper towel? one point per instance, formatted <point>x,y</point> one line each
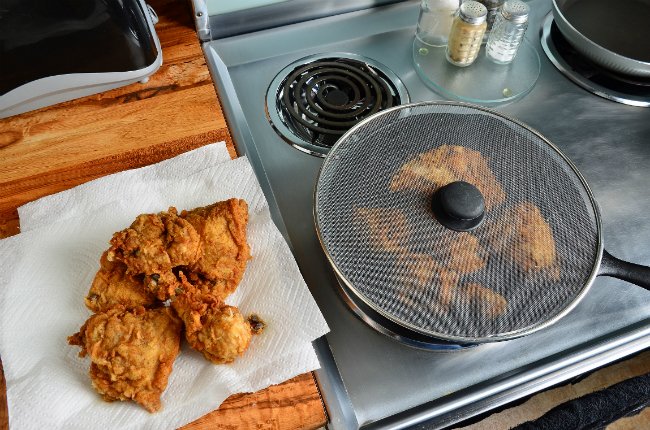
<point>92,195</point>
<point>47,271</point>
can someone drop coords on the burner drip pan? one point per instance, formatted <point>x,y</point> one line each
<point>315,100</point>
<point>629,90</point>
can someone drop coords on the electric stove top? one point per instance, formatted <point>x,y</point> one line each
<point>277,113</point>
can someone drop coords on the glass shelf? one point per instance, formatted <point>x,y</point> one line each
<point>483,82</point>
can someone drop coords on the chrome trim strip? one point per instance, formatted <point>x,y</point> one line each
<point>284,13</point>
<point>201,19</point>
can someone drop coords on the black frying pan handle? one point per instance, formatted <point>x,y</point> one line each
<point>630,272</point>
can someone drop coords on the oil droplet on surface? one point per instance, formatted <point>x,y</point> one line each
<point>507,92</point>
<point>423,51</point>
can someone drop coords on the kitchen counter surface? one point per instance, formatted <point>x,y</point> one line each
<point>59,147</point>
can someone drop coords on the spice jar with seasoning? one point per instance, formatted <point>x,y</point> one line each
<point>508,32</point>
<point>466,33</point>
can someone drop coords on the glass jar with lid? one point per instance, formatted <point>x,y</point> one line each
<point>466,33</point>
<point>507,32</point>
<point>434,22</point>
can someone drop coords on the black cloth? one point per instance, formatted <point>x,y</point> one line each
<point>598,409</point>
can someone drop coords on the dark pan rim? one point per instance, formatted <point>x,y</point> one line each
<point>598,53</point>
<point>444,336</point>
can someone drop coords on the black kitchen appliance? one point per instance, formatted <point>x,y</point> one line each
<point>53,51</point>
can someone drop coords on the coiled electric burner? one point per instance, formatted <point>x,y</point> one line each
<point>315,100</point>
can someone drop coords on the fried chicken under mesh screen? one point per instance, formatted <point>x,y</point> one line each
<point>434,169</point>
<point>525,237</point>
<point>385,228</point>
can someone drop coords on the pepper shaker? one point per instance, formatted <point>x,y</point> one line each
<point>466,34</point>
<point>507,32</point>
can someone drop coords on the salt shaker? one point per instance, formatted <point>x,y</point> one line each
<point>507,32</point>
<point>466,33</point>
<point>435,21</point>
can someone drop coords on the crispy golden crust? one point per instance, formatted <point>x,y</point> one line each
<point>218,288</point>
<point>132,353</point>
<point>524,236</point>
<point>386,228</point>
<point>162,285</point>
<point>222,229</point>
<point>445,164</point>
<point>112,286</point>
<point>216,330</point>
<point>155,243</point>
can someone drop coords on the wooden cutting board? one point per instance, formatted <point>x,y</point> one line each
<point>59,147</point>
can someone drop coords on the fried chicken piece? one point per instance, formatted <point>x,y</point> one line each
<point>155,243</point>
<point>524,236</point>
<point>218,288</point>
<point>425,272</point>
<point>222,229</point>
<point>449,163</point>
<point>113,286</point>
<point>387,228</point>
<point>216,330</point>
<point>163,286</point>
<point>132,353</point>
<point>466,255</point>
<point>490,303</point>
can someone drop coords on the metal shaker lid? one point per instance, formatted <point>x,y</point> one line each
<point>515,11</point>
<point>473,12</point>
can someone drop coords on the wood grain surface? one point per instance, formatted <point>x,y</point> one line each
<point>59,147</point>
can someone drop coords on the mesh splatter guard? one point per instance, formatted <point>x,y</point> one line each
<point>526,262</point>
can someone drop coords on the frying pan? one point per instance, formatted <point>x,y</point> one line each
<point>376,213</point>
<point>613,34</point>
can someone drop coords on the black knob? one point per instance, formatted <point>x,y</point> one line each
<point>459,206</point>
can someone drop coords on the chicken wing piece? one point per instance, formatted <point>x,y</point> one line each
<point>222,229</point>
<point>424,272</point>
<point>524,236</point>
<point>155,243</point>
<point>490,303</point>
<point>466,255</point>
<point>386,228</point>
<point>216,330</point>
<point>112,286</point>
<point>448,163</point>
<point>131,351</point>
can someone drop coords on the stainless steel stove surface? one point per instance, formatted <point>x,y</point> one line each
<point>370,380</point>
